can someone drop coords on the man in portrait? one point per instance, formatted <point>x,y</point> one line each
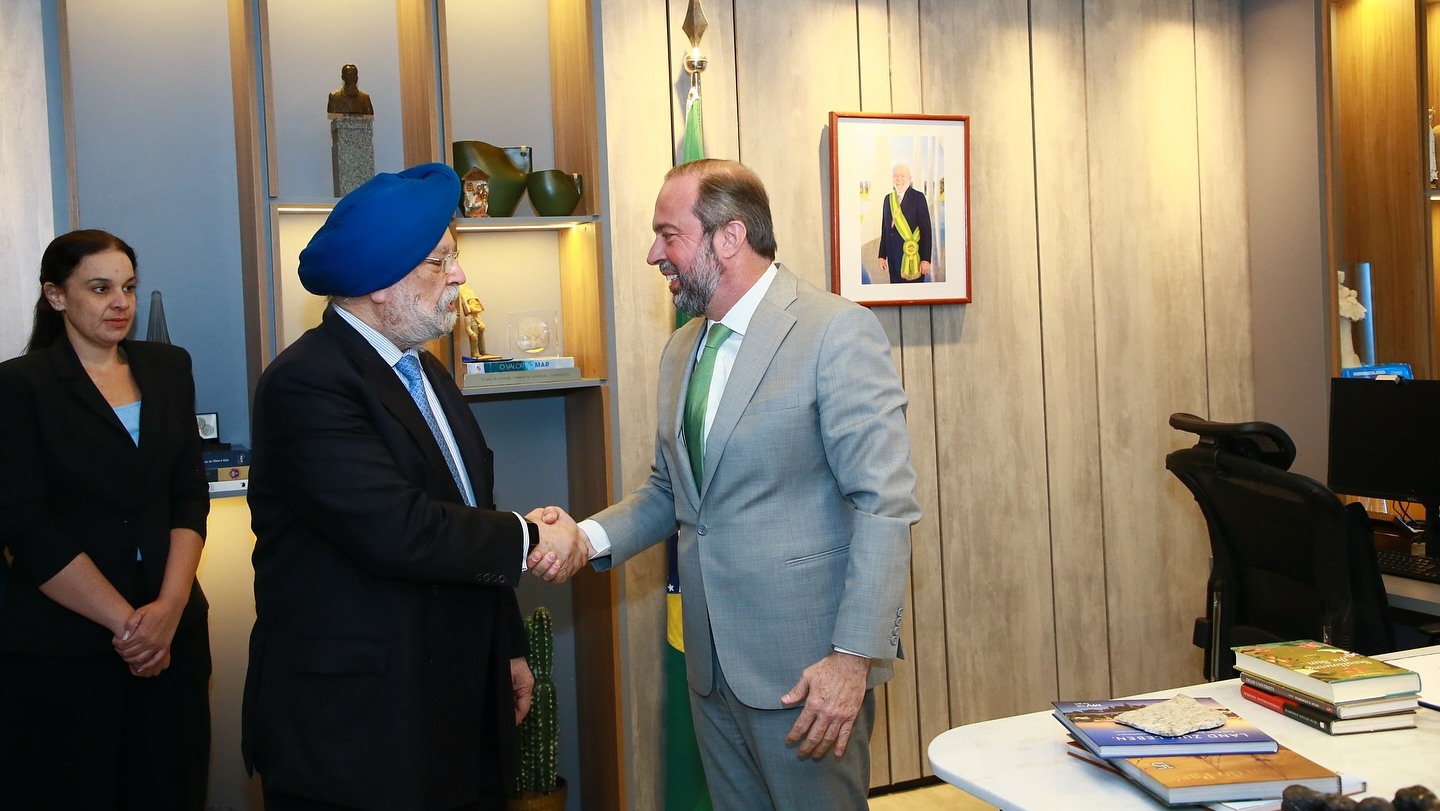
<point>906,238</point>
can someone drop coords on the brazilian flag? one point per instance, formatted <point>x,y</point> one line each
<point>685,788</point>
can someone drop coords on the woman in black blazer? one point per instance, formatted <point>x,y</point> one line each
<point>104,650</point>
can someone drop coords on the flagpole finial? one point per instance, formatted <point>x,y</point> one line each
<point>694,28</point>
<point>695,23</point>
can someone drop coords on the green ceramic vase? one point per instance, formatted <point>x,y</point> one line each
<point>554,193</point>
<point>507,168</point>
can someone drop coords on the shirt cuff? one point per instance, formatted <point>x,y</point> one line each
<point>524,543</point>
<point>599,540</point>
<point>849,652</point>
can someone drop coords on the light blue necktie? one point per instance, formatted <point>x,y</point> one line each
<point>697,397</point>
<point>409,368</point>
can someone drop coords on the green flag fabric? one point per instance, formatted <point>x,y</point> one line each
<point>685,786</point>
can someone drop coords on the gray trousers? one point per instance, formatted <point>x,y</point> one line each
<point>750,768</point>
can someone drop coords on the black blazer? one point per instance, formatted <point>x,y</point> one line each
<point>917,215</point>
<point>385,608</point>
<point>72,481</point>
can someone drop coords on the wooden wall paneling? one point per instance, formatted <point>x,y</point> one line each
<point>1431,57</point>
<point>1067,303</point>
<point>416,24</point>
<point>1379,118</point>
<point>250,185</point>
<point>989,394</point>
<point>873,25</point>
<point>918,699</point>
<point>597,627</point>
<point>793,61</point>
<point>638,149</point>
<point>573,100</point>
<point>1149,324</point>
<point>1220,96</point>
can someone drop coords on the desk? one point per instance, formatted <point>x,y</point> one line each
<point>1412,595</point>
<point>1020,762</point>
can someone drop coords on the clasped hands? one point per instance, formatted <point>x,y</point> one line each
<point>564,548</point>
<point>144,643</point>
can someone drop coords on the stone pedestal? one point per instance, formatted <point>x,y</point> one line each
<point>352,151</point>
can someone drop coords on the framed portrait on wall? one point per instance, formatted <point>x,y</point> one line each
<point>900,208</point>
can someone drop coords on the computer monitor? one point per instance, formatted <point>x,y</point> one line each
<point>1385,443</point>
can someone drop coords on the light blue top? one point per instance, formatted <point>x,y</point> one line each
<point>129,415</point>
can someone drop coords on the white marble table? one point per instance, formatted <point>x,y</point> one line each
<point>1020,763</point>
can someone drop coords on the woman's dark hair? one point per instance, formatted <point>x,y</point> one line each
<point>58,262</point>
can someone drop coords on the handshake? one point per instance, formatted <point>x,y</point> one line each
<point>563,549</point>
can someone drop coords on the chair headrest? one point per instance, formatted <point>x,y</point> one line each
<point>1262,441</point>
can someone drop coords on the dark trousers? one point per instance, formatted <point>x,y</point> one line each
<point>81,733</point>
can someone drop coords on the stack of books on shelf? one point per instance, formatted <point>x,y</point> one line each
<point>228,470</point>
<point>1233,766</point>
<point>524,371</point>
<point>1333,690</point>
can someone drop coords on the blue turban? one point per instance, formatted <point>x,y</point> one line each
<point>381,231</point>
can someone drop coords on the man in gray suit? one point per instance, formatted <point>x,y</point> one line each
<point>795,541</point>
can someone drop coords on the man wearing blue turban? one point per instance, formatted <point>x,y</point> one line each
<point>387,659</point>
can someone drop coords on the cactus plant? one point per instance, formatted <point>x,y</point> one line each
<point>540,731</point>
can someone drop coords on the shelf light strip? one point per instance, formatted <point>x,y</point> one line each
<point>538,226</point>
<point>290,209</point>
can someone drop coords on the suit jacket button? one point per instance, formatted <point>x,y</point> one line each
<point>480,578</point>
<point>702,530</point>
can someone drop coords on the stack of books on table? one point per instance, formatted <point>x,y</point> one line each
<point>228,470</point>
<point>1233,762</point>
<point>1333,690</point>
<point>525,371</point>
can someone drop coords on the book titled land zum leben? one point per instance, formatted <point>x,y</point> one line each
<point>1325,671</point>
<point>1311,717</point>
<point>1219,778</point>
<point>1092,723</point>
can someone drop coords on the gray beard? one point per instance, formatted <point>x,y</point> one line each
<point>416,326</point>
<point>698,286</point>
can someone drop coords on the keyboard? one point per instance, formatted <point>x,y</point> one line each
<point>1411,566</point>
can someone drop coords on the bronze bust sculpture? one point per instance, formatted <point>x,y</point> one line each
<point>349,99</point>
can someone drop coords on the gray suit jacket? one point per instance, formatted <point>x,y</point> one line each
<point>800,540</point>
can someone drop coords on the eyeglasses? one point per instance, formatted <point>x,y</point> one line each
<point>446,262</point>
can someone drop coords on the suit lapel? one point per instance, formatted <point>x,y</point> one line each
<point>675,379</point>
<point>153,395</point>
<point>74,377</point>
<point>468,437</point>
<point>768,328</point>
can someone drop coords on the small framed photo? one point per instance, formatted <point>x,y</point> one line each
<point>209,425</point>
<point>900,208</point>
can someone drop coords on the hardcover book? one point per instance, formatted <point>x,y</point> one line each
<point>234,456</point>
<point>1329,724</point>
<point>1092,723</point>
<point>1180,779</point>
<point>1349,709</point>
<point>1326,672</point>
<point>235,486</point>
<point>517,365</point>
<point>511,378</point>
<point>226,474</point>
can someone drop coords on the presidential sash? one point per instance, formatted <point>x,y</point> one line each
<point>910,265</point>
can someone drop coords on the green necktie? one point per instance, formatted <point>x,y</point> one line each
<point>697,396</point>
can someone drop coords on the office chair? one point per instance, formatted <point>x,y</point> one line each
<point>1289,560</point>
